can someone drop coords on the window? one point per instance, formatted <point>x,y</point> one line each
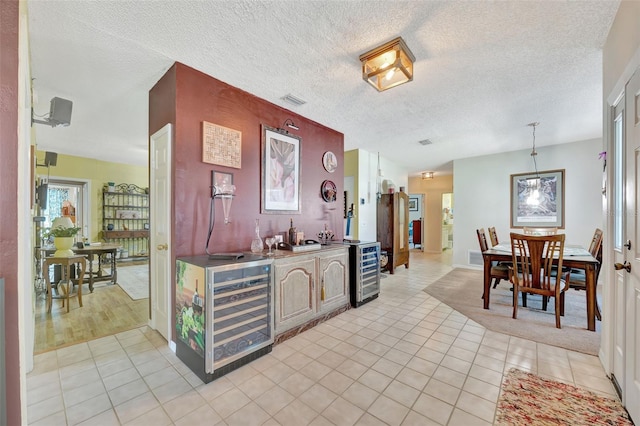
<point>618,177</point>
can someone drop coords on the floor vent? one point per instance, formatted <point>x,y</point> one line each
<point>475,258</point>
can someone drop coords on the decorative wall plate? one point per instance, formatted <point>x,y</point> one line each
<point>329,161</point>
<point>329,191</point>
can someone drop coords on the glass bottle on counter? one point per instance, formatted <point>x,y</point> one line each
<point>293,234</point>
<point>256,243</point>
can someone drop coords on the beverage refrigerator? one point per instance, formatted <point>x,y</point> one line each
<point>364,271</point>
<point>224,313</point>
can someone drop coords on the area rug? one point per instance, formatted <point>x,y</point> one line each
<point>461,289</point>
<point>134,280</point>
<point>527,399</point>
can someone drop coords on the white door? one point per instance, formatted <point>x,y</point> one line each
<point>160,232</point>
<point>631,394</point>
<point>617,315</point>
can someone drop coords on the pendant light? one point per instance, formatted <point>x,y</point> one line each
<point>533,199</point>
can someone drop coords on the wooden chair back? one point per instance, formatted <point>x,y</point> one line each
<point>482,240</point>
<point>539,231</point>
<point>595,248</point>
<point>493,236</point>
<point>534,270</point>
<point>534,257</point>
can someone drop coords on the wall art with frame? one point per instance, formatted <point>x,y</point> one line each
<point>537,200</point>
<point>280,192</point>
<point>413,204</point>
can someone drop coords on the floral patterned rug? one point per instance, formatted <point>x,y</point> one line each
<point>527,399</point>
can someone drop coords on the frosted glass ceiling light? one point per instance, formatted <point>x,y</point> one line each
<point>427,175</point>
<point>388,65</point>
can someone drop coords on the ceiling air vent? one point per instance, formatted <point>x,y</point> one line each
<point>425,142</point>
<point>293,100</point>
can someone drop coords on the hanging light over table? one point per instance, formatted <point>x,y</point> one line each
<point>533,199</point>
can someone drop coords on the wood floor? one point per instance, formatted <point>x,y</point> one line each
<point>108,310</point>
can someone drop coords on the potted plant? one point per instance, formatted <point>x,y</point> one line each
<point>63,232</point>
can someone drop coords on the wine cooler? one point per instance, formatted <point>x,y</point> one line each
<point>364,271</point>
<point>224,313</point>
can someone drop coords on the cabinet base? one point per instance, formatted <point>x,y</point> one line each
<point>357,304</point>
<point>288,334</point>
<point>196,362</point>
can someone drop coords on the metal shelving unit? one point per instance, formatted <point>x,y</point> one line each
<point>125,219</point>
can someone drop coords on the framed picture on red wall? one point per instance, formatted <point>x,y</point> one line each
<point>280,190</point>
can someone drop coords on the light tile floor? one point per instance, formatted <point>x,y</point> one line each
<point>404,358</point>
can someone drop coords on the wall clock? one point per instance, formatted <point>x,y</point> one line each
<point>329,161</point>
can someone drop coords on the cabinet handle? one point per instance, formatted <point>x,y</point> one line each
<point>163,246</point>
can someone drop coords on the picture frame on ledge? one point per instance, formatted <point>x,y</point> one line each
<point>280,186</point>
<point>537,200</point>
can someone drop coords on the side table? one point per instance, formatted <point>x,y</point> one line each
<point>66,280</point>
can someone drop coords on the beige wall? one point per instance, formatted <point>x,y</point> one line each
<point>98,173</point>
<point>621,46</point>
<point>432,191</point>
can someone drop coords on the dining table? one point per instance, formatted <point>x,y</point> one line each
<point>99,251</point>
<point>573,256</point>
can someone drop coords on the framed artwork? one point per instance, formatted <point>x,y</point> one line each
<point>221,182</point>
<point>537,200</point>
<point>221,145</point>
<point>280,192</point>
<point>413,204</point>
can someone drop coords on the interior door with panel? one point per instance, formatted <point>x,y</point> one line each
<point>631,394</point>
<point>160,232</point>
<point>617,290</point>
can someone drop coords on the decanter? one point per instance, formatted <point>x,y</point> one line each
<point>256,243</point>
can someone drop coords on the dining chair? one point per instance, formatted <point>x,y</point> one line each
<point>533,273</point>
<point>539,231</point>
<point>578,277</point>
<point>498,270</point>
<point>493,237</point>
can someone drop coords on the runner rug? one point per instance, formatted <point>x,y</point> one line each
<point>527,399</point>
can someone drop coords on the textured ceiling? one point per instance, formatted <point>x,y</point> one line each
<point>484,69</point>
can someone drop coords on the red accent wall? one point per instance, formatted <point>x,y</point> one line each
<point>9,11</point>
<point>187,97</point>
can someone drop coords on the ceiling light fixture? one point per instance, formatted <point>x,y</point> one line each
<point>427,175</point>
<point>388,65</point>
<point>533,185</point>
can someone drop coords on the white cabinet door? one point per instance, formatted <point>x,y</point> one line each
<point>295,292</point>
<point>333,271</point>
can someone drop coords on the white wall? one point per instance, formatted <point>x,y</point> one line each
<point>367,178</point>
<point>481,190</point>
